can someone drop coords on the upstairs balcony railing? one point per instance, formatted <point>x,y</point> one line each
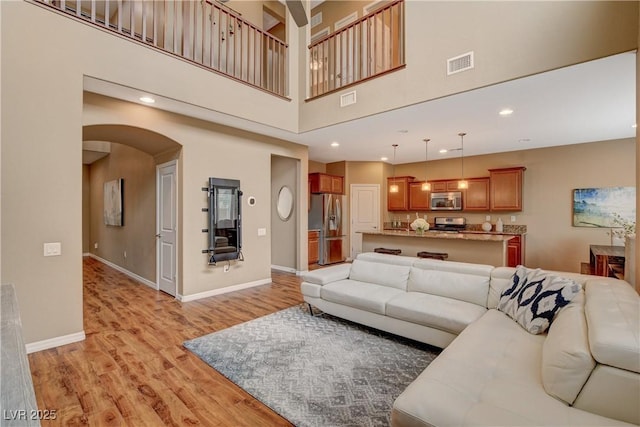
<point>366,48</point>
<point>203,32</point>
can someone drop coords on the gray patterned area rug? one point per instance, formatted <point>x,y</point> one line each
<point>316,370</point>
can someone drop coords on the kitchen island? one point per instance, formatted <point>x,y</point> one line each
<point>464,247</point>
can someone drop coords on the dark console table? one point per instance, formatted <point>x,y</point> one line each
<point>607,260</point>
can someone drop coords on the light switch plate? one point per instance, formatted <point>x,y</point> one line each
<point>262,231</point>
<point>53,249</point>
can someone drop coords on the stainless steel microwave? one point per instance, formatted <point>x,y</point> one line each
<point>451,201</point>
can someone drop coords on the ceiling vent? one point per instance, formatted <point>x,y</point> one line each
<point>460,63</point>
<point>348,98</point>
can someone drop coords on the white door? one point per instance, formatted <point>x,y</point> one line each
<point>365,213</point>
<point>167,211</point>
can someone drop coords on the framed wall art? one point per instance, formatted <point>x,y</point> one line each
<point>113,203</point>
<point>597,207</point>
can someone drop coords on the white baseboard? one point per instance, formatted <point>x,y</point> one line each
<point>214,292</point>
<point>55,342</point>
<point>122,270</point>
<point>281,268</point>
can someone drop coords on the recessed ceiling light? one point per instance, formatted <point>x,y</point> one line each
<point>147,99</point>
<point>384,159</point>
<point>524,140</point>
<point>335,144</point>
<point>506,112</point>
<point>403,131</point>
<point>443,150</point>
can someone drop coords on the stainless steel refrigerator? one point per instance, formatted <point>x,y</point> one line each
<point>326,214</point>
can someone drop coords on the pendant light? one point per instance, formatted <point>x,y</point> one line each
<point>394,188</point>
<point>462,184</point>
<point>426,186</point>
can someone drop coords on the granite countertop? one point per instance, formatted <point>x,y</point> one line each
<point>509,229</point>
<point>433,234</point>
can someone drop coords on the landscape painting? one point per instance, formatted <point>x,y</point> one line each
<point>595,207</point>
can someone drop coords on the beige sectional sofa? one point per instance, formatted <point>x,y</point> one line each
<point>585,370</point>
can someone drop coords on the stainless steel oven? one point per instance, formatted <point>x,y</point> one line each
<point>450,201</point>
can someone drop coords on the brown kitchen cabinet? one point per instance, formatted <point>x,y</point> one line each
<point>325,183</point>
<point>476,196</point>
<point>398,201</point>
<point>442,186</point>
<point>514,251</point>
<point>418,200</point>
<point>314,246</point>
<point>506,189</point>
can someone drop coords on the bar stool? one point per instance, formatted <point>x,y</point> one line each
<point>387,251</point>
<point>433,255</point>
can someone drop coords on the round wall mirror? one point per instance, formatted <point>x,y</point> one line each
<point>285,203</point>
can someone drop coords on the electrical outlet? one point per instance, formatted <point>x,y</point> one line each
<point>513,218</point>
<point>487,218</point>
<point>226,268</point>
<point>95,245</point>
<point>125,254</point>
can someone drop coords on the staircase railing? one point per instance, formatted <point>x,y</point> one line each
<point>203,32</point>
<point>366,48</point>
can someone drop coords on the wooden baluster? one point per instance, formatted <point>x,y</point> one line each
<point>119,16</point>
<point>106,14</point>
<point>144,22</point>
<point>93,11</point>
<point>132,22</point>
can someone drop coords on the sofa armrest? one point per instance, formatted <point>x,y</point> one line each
<point>326,275</point>
<point>612,310</point>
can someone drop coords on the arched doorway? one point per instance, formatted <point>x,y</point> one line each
<point>145,164</point>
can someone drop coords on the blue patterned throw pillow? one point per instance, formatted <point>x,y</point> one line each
<point>534,298</point>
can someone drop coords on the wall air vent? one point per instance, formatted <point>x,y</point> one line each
<point>348,98</point>
<point>460,63</point>
<point>316,19</point>
<point>320,34</point>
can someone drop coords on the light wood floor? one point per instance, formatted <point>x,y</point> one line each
<point>132,368</point>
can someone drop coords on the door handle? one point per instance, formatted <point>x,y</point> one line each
<point>158,235</point>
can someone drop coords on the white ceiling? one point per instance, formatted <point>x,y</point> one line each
<point>593,101</point>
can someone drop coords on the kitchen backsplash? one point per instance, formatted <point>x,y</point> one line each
<point>507,228</point>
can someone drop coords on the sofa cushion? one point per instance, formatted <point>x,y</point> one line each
<point>489,375</point>
<point>391,275</point>
<point>466,284</point>
<point>566,358</point>
<point>612,310</point>
<point>365,296</point>
<point>535,297</point>
<point>611,392</point>
<point>438,312</point>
